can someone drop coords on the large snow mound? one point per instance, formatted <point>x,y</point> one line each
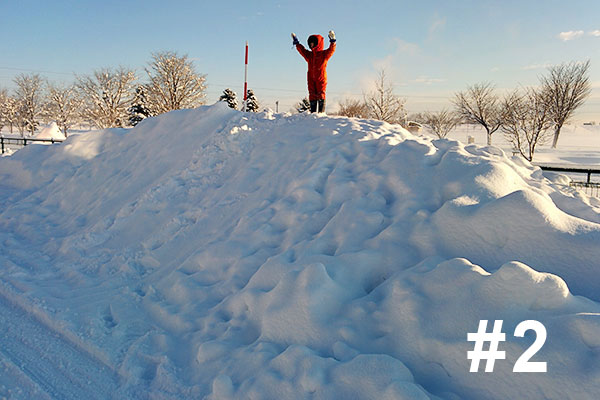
<point>216,253</point>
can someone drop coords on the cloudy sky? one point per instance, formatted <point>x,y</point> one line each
<point>429,49</point>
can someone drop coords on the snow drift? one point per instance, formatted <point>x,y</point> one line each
<point>223,254</point>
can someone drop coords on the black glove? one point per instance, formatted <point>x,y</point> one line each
<point>295,40</point>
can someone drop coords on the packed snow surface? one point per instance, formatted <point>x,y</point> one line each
<point>51,132</point>
<point>219,254</point>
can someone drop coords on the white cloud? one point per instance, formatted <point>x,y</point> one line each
<point>570,35</point>
<point>438,24</point>
<point>594,33</point>
<point>393,64</point>
<point>404,48</point>
<point>428,81</point>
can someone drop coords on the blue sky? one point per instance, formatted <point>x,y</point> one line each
<point>429,49</point>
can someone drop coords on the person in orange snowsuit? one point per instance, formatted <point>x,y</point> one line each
<point>317,59</point>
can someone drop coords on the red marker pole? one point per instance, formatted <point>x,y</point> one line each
<point>246,78</point>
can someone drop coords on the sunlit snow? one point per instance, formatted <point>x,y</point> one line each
<point>220,254</point>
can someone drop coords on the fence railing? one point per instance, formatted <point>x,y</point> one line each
<point>6,141</point>
<point>591,188</point>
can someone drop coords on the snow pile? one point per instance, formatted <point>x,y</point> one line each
<point>223,254</point>
<point>51,132</point>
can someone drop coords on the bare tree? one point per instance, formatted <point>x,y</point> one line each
<point>174,83</point>
<point>353,108</point>
<point>527,121</point>
<point>567,86</point>
<point>106,96</point>
<point>480,105</point>
<point>63,106</point>
<point>383,104</point>
<point>441,122</point>
<point>29,94</point>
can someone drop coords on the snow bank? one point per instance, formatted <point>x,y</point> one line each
<point>216,253</point>
<point>50,132</point>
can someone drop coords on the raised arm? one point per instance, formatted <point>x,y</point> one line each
<point>331,49</point>
<point>301,49</point>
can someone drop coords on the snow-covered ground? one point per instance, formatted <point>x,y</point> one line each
<point>577,144</point>
<point>219,254</point>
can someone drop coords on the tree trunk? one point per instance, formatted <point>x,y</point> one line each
<point>489,138</point>
<point>556,133</point>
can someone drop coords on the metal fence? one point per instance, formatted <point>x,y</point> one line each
<point>591,189</point>
<point>5,142</point>
<point>578,171</point>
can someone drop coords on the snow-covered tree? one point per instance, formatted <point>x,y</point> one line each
<point>303,105</point>
<point>29,94</point>
<point>383,104</point>
<point>107,95</point>
<point>9,108</point>
<point>567,87</point>
<point>139,109</point>
<point>3,101</point>
<point>174,83</point>
<point>21,119</point>
<point>230,97</point>
<point>63,106</point>
<point>479,104</point>
<point>251,102</point>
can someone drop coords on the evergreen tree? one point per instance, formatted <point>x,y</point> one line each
<point>251,102</point>
<point>139,107</point>
<point>303,105</point>
<point>230,97</point>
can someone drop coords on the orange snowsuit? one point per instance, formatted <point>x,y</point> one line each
<point>317,64</point>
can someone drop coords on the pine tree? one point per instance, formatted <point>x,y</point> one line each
<point>303,105</point>
<point>230,97</point>
<point>251,102</point>
<point>139,107</point>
